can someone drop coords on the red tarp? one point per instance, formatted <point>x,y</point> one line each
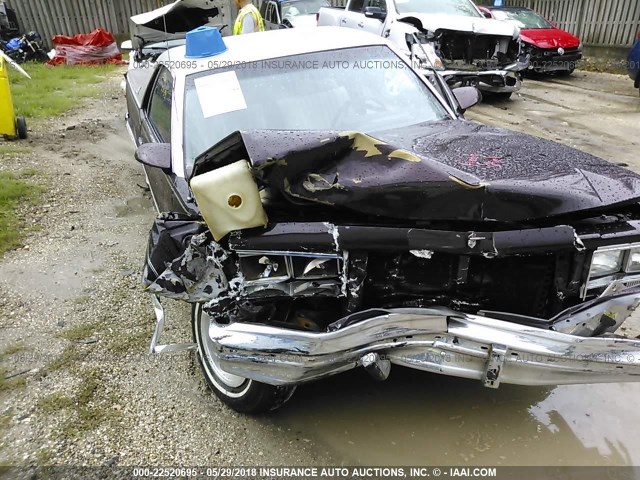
<point>92,48</point>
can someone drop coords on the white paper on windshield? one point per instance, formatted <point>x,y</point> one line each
<point>220,93</point>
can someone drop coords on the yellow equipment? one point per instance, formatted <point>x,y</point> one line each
<point>10,125</point>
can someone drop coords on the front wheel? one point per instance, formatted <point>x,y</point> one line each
<point>241,394</point>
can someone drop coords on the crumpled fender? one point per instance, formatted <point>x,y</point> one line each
<point>183,262</point>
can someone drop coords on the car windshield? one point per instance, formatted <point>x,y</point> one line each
<point>366,89</point>
<point>450,7</point>
<point>522,18</point>
<point>302,7</point>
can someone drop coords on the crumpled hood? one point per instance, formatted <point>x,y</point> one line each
<point>549,38</point>
<point>476,25</point>
<point>450,170</point>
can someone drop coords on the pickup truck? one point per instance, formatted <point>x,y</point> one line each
<point>450,35</point>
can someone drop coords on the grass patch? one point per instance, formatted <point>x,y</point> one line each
<point>54,403</point>
<point>10,149</point>
<point>43,457</point>
<point>13,349</point>
<point>29,172</point>
<point>14,191</point>
<point>91,412</point>
<point>9,384</point>
<point>88,406</point>
<point>81,299</point>
<point>603,65</point>
<point>125,343</point>
<point>54,90</point>
<point>5,421</point>
<point>70,356</point>
<point>79,332</point>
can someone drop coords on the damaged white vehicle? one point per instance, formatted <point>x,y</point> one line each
<point>155,31</point>
<point>450,35</point>
<point>324,208</point>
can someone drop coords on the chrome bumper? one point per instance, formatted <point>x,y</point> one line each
<point>441,341</point>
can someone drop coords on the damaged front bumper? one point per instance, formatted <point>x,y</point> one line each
<point>441,341</point>
<point>499,81</point>
<point>493,81</point>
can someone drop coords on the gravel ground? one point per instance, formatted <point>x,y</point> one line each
<point>75,323</point>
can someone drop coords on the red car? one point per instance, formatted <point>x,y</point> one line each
<point>551,49</point>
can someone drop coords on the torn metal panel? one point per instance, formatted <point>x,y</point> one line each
<point>426,254</point>
<point>466,171</point>
<point>168,238</point>
<point>357,274</point>
<point>203,271</point>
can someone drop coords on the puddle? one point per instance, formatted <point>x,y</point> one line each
<point>134,206</point>
<point>415,418</point>
<point>601,417</point>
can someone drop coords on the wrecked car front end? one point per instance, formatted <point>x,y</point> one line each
<point>470,51</point>
<point>450,248</point>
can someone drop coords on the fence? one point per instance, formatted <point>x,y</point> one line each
<point>596,22</point>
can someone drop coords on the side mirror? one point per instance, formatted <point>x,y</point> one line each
<point>154,155</point>
<point>467,97</point>
<point>375,12</point>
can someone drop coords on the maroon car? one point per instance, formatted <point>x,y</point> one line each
<point>551,49</point>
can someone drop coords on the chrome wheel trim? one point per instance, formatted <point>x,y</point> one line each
<point>225,382</point>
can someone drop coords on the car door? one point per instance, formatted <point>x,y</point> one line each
<point>374,25</point>
<point>271,17</point>
<point>353,16</point>
<point>155,127</point>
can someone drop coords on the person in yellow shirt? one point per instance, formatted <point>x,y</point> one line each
<point>249,19</point>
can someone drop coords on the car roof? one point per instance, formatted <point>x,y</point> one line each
<point>259,46</point>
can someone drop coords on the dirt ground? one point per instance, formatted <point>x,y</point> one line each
<point>75,326</point>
